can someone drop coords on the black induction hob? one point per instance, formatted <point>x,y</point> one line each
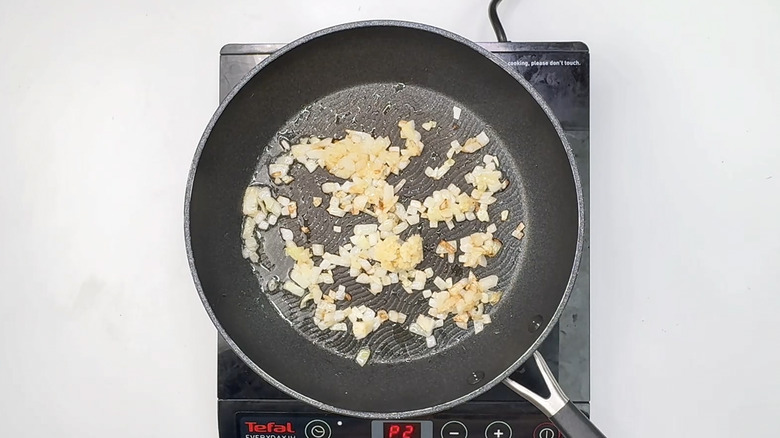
<point>248,407</point>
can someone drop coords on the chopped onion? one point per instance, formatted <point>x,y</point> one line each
<point>429,125</point>
<point>335,211</point>
<point>518,233</point>
<point>426,324</point>
<point>488,282</point>
<point>306,299</point>
<point>464,300</point>
<point>364,229</point>
<point>441,284</point>
<point>249,227</point>
<point>477,247</point>
<point>456,112</point>
<point>400,228</point>
<point>250,204</point>
<point>330,187</point>
<point>362,356</point>
<point>417,330</point>
<point>325,277</point>
<point>482,138</point>
<point>293,288</point>
<point>472,145</point>
<point>447,247</point>
<point>277,171</point>
<point>287,235</point>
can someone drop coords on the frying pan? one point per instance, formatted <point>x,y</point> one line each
<point>367,76</point>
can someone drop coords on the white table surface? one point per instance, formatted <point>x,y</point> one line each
<point>102,333</point>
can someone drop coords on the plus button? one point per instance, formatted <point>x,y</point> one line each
<point>498,429</point>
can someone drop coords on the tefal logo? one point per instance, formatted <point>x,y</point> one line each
<point>269,427</point>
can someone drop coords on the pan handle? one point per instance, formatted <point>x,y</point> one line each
<point>557,407</point>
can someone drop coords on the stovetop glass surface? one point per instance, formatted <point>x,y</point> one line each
<point>560,72</point>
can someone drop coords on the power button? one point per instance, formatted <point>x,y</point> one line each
<point>546,430</point>
<point>317,429</point>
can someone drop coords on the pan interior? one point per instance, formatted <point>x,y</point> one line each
<point>377,108</point>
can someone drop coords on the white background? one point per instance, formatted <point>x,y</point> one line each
<point>103,102</point>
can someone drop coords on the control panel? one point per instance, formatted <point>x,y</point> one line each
<point>321,425</point>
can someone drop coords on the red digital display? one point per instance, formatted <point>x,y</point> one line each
<point>402,430</point>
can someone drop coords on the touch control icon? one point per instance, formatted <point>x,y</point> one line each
<point>454,429</point>
<point>546,430</point>
<point>498,429</point>
<point>317,429</point>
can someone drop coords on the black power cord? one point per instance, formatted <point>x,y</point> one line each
<point>497,27</point>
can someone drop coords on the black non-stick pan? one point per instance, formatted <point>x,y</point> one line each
<point>368,76</point>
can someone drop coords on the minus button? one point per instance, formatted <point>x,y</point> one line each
<point>454,429</point>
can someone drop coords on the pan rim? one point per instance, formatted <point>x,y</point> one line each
<point>496,60</point>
